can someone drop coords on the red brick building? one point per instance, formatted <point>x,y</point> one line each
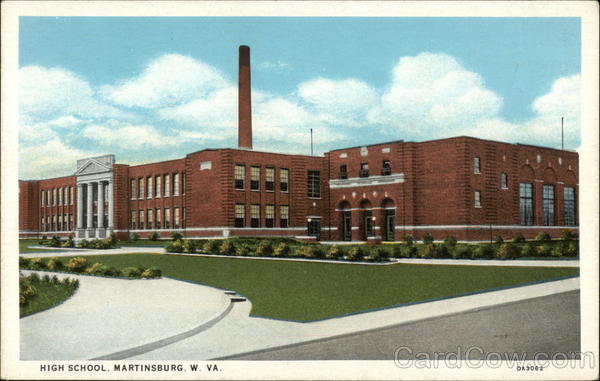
<point>470,188</point>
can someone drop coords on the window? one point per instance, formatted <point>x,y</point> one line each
<point>176,184</point>
<point>569,206</point>
<point>284,216</point>
<point>176,218</point>
<point>157,218</point>
<point>476,165</point>
<point>59,224</point>
<point>240,216</point>
<point>254,178</point>
<point>157,185</point>
<point>503,180</point>
<point>66,197</point>
<point>526,203</point>
<point>149,187</point>
<point>141,189</point>
<point>314,227</point>
<point>132,185</point>
<point>314,184</point>
<point>386,168</point>
<point>183,218</point>
<point>71,198</point>
<point>240,176</point>
<point>478,199</point>
<point>60,194</point>
<point>43,224</point>
<point>270,179</point>
<point>142,219</point>
<point>548,198</point>
<point>167,191</point>
<point>270,216</point>
<point>48,226</point>
<point>364,170</point>
<point>183,182</point>
<point>284,175</point>
<point>343,171</point>
<point>43,198</point>
<point>48,200</point>
<point>167,218</point>
<point>54,196</point>
<point>54,221</point>
<point>255,215</point>
<point>150,218</point>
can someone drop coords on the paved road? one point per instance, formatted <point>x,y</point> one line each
<point>547,324</point>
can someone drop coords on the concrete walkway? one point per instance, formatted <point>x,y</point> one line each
<point>238,333</point>
<point>108,315</point>
<point>69,252</point>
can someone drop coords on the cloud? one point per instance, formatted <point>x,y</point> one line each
<point>169,80</point>
<point>277,65</point>
<point>52,158</point>
<point>130,137</point>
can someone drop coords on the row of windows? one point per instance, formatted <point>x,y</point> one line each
<point>240,178</point>
<point>255,216</point>
<point>386,169</point>
<point>152,219</point>
<point>526,204</point>
<point>157,186</point>
<point>57,196</point>
<point>60,222</point>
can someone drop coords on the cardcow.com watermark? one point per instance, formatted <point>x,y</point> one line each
<point>476,357</point>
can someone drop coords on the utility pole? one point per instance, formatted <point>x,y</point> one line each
<point>311,143</point>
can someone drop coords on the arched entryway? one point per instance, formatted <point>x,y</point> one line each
<point>366,220</point>
<point>345,211</point>
<point>389,220</point>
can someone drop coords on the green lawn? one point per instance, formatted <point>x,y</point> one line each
<point>46,295</point>
<point>24,243</point>
<point>305,291</point>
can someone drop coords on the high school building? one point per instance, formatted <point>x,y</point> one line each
<point>470,188</point>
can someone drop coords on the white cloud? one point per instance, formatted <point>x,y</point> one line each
<point>129,136</point>
<point>49,159</point>
<point>278,65</point>
<point>169,80</point>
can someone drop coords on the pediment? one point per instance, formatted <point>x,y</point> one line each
<point>92,166</point>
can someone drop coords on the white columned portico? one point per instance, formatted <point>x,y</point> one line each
<point>110,207</point>
<point>101,231</point>
<point>79,208</point>
<point>90,211</point>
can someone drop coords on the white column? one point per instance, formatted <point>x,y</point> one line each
<point>111,203</point>
<point>90,206</point>
<point>79,206</point>
<point>100,204</point>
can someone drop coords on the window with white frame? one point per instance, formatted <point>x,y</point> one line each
<point>142,213</point>
<point>133,219</point>
<point>167,192</point>
<point>43,198</point>
<point>240,216</point>
<point>270,179</point>
<point>254,178</point>
<point>503,180</point>
<point>133,190</point>
<point>478,199</point>
<point>284,216</point>
<point>176,184</point>
<point>176,221</point>
<point>71,198</point>
<point>157,184</point>
<point>149,187</point>
<point>167,218</point>
<point>270,216</point>
<point>255,215</point>
<point>548,201</point>
<point>60,198</point>
<point>48,197</point>
<point>183,183</point>
<point>54,196</point>
<point>284,178</point>
<point>314,184</point>
<point>239,176</point>
<point>157,218</point>
<point>141,189</point>
<point>476,165</point>
<point>150,218</point>
<point>526,203</point>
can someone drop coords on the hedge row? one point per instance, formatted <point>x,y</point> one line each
<point>28,285</point>
<point>80,265</point>
<point>107,243</point>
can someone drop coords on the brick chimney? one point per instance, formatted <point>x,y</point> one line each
<point>244,100</point>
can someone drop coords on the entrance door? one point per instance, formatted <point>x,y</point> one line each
<point>368,232</point>
<point>314,228</point>
<point>390,223</point>
<point>346,226</point>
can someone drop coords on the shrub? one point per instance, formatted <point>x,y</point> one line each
<point>77,264</point>
<point>450,241</point>
<point>112,240</point>
<point>427,239</point>
<point>528,251</point>
<point>568,235</point>
<point>83,243</point>
<point>227,248</point>
<point>54,280</point>
<point>518,238</point>
<point>315,252</point>
<point>175,247</point>
<point>54,241</point>
<point>154,236</point>
<point>94,269</point>
<point>24,262</point>
<point>559,251</point>
<point>176,236</point>
<point>334,252</point>
<point>442,251</point>
<point>264,249</point>
<point>135,236</point>
<point>379,254</point>
<point>151,272</point>
<point>427,251</point>
<point>499,240</point>
<point>408,251</point>
<point>544,250</point>
<point>211,246</point>
<point>55,264</point>
<point>483,252</point>
<point>43,240</point>
<point>132,272</point>
<point>396,251</point>
<point>242,251</point>
<point>282,250</point>
<point>46,278</point>
<point>356,253</point>
<point>507,251</point>
<point>34,278</point>
<point>69,242</point>
<point>543,236</point>
<point>189,246</point>
<point>37,264</point>
<point>408,239</point>
<point>462,252</point>
<point>572,249</point>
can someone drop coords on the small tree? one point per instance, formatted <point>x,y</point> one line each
<point>356,253</point>
<point>507,251</point>
<point>518,238</point>
<point>568,235</point>
<point>189,246</point>
<point>427,239</point>
<point>543,236</point>
<point>175,236</point>
<point>499,240</point>
<point>528,251</point>
<point>408,239</point>
<point>450,241</point>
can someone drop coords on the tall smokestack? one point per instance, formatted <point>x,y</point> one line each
<point>244,100</point>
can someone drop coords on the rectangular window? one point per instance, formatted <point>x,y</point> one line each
<point>478,199</point>
<point>71,221</point>
<point>43,224</point>
<point>48,197</point>
<point>167,218</point>
<point>255,215</point>
<point>240,216</point>
<point>183,183</point>
<point>141,189</point>
<point>284,216</point>
<point>167,192</point>
<point>503,180</point>
<point>183,218</point>
<point>43,198</point>
<point>150,218</point>
<point>270,216</point>
<point>157,184</point>
<point>254,178</point>
<point>71,198</point>
<point>133,219</point>
<point>142,219</point>
<point>570,206</point>
<point>476,165</point>
<point>133,190</point>
<point>314,184</point>
<point>548,197</point>
<point>175,184</point>
<point>54,196</point>
<point>157,218</point>
<point>176,218</point>
<point>343,171</point>
<point>66,200</point>
<point>314,227</point>
<point>48,225</point>
<point>149,187</point>
<point>526,203</point>
<point>284,178</point>
<point>60,194</point>
<point>386,168</point>
<point>240,176</point>
<point>54,222</point>
<point>364,170</point>
<point>270,179</point>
